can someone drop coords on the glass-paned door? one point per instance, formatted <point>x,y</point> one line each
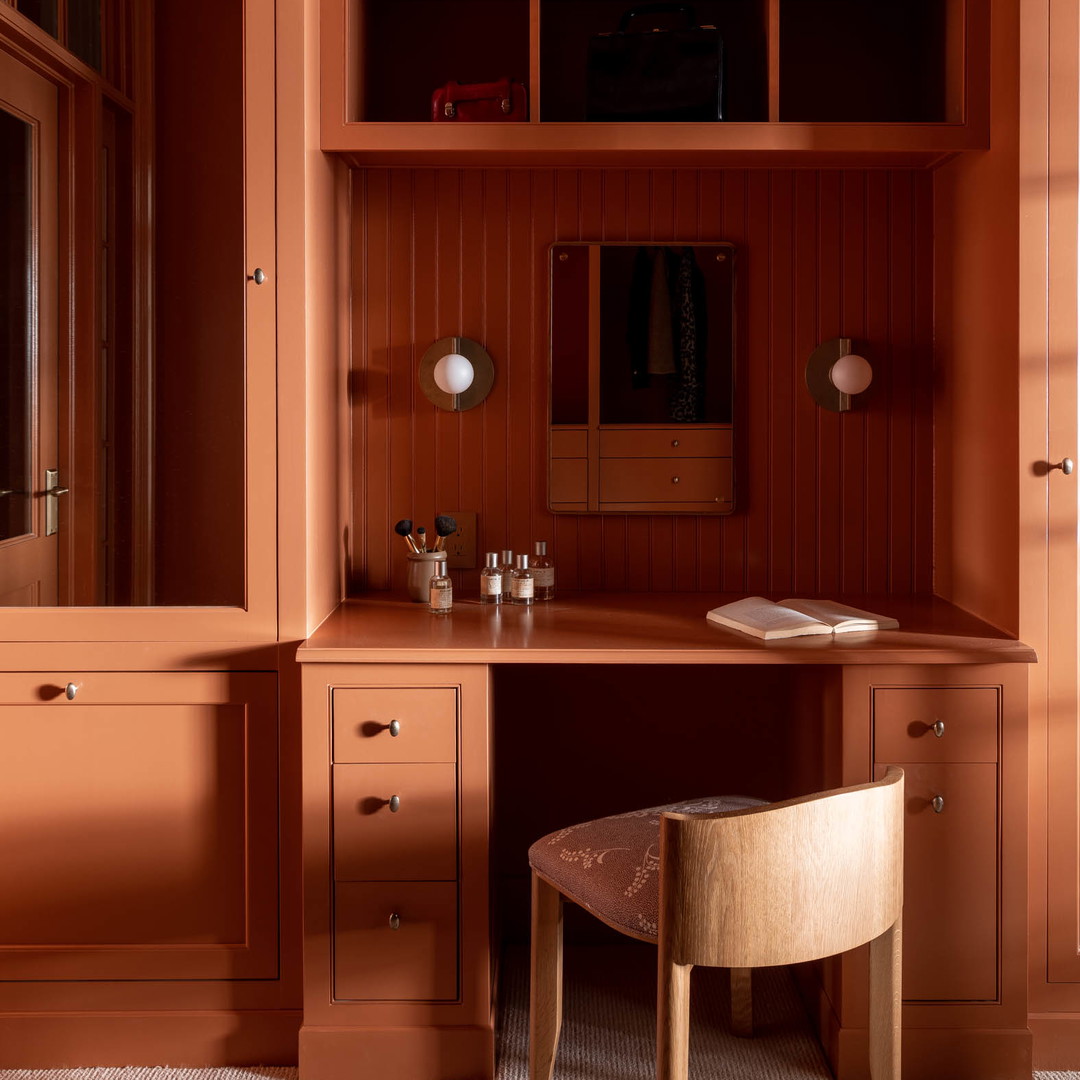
<point>29,517</point>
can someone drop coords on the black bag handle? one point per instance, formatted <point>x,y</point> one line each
<point>657,9</point>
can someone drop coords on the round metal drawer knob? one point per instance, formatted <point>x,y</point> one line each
<point>395,728</point>
<point>938,728</point>
<point>938,803</point>
<point>71,690</point>
<point>674,442</point>
<point>395,921</point>
<point>395,804</point>
<point>674,479</point>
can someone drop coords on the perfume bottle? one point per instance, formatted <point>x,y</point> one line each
<point>521,582</point>
<point>543,572</point>
<point>440,590</point>
<point>506,565</point>
<point>491,580</point>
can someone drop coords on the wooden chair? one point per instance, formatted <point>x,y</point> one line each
<point>733,883</point>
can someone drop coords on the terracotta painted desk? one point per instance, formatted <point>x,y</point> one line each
<point>399,712</point>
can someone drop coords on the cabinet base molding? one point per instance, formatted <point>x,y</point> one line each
<point>416,1053</point>
<point>1057,1040</point>
<point>931,1053</point>
<point>71,1040</point>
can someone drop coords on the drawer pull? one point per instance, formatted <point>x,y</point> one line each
<point>395,728</point>
<point>395,804</point>
<point>938,728</point>
<point>395,921</point>
<point>938,803</point>
<point>675,442</point>
<point>674,479</point>
<point>71,690</point>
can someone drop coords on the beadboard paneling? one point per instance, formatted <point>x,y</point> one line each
<point>824,502</point>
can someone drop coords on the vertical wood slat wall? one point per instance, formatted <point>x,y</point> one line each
<point>824,502</point>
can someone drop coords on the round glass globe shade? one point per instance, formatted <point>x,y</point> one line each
<point>453,373</point>
<point>851,374</point>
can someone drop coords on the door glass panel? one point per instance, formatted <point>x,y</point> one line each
<point>16,305</point>
<point>42,12</point>
<point>84,30</point>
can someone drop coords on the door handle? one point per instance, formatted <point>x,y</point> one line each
<point>52,493</point>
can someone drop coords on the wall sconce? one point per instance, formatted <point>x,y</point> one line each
<point>834,374</point>
<point>456,373</point>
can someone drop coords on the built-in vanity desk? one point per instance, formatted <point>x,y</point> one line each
<point>403,712</point>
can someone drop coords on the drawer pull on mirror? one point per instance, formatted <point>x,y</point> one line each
<point>675,442</point>
<point>395,804</point>
<point>674,479</point>
<point>938,728</point>
<point>71,690</point>
<point>938,803</point>
<point>395,728</point>
<point>395,921</point>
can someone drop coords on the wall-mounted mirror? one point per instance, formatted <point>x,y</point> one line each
<point>642,378</point>
<point>122,311</point>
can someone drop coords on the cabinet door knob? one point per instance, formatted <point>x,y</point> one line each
<point>71,690</point>
<point>1065,465</point>
<point>395,921</point>
<point>395,804</point>
<point>258,275</point>
<point>395,728</point>
<point>938,803</point>
<point>938,728</point>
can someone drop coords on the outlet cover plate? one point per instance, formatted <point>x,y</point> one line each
<point>461,545</point>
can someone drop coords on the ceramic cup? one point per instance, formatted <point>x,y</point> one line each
<point>422,569</point>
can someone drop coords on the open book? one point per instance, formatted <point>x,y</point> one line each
<point>793,618</point>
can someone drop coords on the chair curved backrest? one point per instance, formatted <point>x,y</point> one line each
<point>786,882</point>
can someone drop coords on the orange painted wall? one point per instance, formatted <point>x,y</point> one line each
<point>825,503</point>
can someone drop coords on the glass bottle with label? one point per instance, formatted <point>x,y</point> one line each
<point>521,582</point>
<point>543,572</point>
<point>491,580</point>
<point>506,564</point>
<point>440,590</point>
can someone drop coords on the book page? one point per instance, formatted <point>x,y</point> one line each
<point>841,617</point>
<point>764,619</point>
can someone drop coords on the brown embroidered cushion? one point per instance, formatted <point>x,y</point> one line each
<point>610,866</point>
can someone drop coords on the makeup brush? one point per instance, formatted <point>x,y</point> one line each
<point>404,529</point>
<point>444,526</point>
<point>421,538</point>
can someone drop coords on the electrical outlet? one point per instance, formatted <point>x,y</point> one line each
<point>461,545</point>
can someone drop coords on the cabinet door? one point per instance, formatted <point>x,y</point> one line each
<point>138,826</point>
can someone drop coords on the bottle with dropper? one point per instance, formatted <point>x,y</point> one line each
<point>543,572</point>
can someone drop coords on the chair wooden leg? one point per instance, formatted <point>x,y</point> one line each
<point>672,1019</point>
<point>545,978</point>
<point>885,1004</point>
<point>742,1004</point>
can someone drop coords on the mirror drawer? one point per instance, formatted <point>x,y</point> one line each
<point>673,442</point>
<point>661,480</point>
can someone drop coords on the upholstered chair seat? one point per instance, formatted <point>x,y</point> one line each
<point>611,866</point>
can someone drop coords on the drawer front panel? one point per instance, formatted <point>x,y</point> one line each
<point>416,962</point>
<point>418,841</point>
<point>671,443</point>
<point>905,719</point>
<point>569,444</point>
<point>426,724</point>
<point>569,480</point>
<point>638,480</point>
<point>950,883</point>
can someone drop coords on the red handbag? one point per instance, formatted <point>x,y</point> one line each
<point>469,102</point>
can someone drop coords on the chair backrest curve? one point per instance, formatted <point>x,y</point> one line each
<point>786,882</point>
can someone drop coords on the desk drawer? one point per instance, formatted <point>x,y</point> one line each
<point>426,724</point>
<point>670,443</point>
<point>662,480</point>
<point>905,719</point>
<point>418,841</point>
<point>418,961</point>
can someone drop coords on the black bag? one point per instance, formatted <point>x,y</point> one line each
<point>656,73</point>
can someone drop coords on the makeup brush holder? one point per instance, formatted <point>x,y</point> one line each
<point>422,569</point>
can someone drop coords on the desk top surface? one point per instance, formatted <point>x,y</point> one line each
<point>642,628</point>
